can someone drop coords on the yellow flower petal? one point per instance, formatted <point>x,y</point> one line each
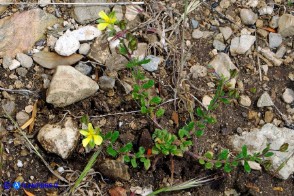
<point>102,26</point>
<point>84,132</point>
<point>103,15</point>
<point>97,139</point>
<point>112,20</point>
<point>86,141</point>
<point>90,129</point>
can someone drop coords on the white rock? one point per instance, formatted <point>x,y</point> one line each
<point>226,31</point>
<point>14,64</point>
<point>286,25</point>
<point>132,12</point>
<point>84,48</point>
<point>197,34</point>
<point>274,23</point>
<point>252,3</point>
<point>264,100</point>
<point>59,139</point>
<point>275,40</point>
<point>256,140</point>
<point>60,170</point>
<point>67,44</point>
<point>75,87</point>
<point>198,71</point>
<point>44,3</point>
<point>281,52</point>
<point>240,45</point>
<point>25,60</point>
<point>268,10</point>
<point>19,163</point>
<point>253,165</point>
<point>248,17</point>
<point>218,45</point>
<point>265,69</point>
<point>206,100</point>
<point>153,64</point>
<point>288,95</point>
<point>245,100</point>
<point>267,53</point>
<point>222,64</point>
<point>86,33</point>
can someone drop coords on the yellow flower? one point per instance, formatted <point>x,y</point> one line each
<point>106,20</point>
<point>92,136</point>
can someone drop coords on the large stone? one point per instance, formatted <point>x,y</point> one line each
<point>19,32</point>
<point>51,60</point>
<point>68,86</point>
<point>240,45</point>
<point>25,60</point>
<point>84,14</point>
<point>286,25</point>
<point>222,64</point>
<point>86,33</point>
<point>248,17</point>
<point>59,139</point>
<point>256,140</point>
<point>275,40</point>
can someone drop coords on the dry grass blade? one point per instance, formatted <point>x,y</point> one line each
<point>34,114</point>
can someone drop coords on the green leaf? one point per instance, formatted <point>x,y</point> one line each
<point>199,133</point>
<point>127,159</point>
<point>199,112</point>
<point>122,49</point>
<point>144,110</point>
<point>284,147</point>
<point>235,163</point>
<point>160,112</point>
<point>141,150</point>
<point>210,120</point>
<point>144,61</point>
<point>208,165</point>
<point>267,165</point>
<point>218,164</point>
<point>111,14</point>
<point>225,101</point>
<point>126,148</point>
<point>155,100</point>
<point>201,161</point>
<point>148,84</point>
<point>223,155</point>
<point>122,24</point>
<point>227,168</point>
<point>147,164</point>
<point>133,44</point>
<point>244,151</point>
<point>247,167</point>
<point>266,149</point>
<point>253,90</point>
<point>183,132</point>
<point>209,154</point>
<point>85,119</point>
<point>190,126</point>
<point>155,150</point>
<point>111,151</point>
<point>134,162</point>
<point>177,152</point>
<point>233,73</point>
<point>107,136</point>
<point>268,154</point>
<point>114,136</point>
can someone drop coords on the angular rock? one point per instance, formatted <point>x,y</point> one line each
<point>84,14</point>
<point>86,33</point>
<point>51,60</point>
<point>6,61</point>
<point>67,44</point>
<point>275,40</point>
<point>116,62</point>
<point>288,95</point>
<point>22,118</point>
<point>256,140</point>
<point>274,23</point>
<point>141,51</point>
<point>84,48</point>
<point>267,10</point>
<point>267,53</point>
<point>240,45</point>
<point>286,25</point>
<point>218,45</point>
<point>195,24</point>
<point>248,17</point>
<point>83,68</point>
<point>106,83</point>
<point>281,51</point>
<point>264,100</point>
<point>268,116</point>
<point>25,60</point>
<point>114,169</point>
<point>226,31</point>
<point>153,64</point>
<point>59,139</point>
<point>245,100</point>
<point>222,64</point>
<point>14,64</point>
<point>19,32</point>
<point>75,87</point>
<point>198,71</point>
<point>100,50</point>
<point>7,106</point>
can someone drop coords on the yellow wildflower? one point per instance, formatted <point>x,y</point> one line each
<point>106,20</point>
<point>92,136</point>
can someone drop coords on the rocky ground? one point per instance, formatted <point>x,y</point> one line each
<point>57,66</point>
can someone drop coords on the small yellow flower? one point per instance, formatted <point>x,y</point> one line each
<point>106,20</point>
<point>92,136</point>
